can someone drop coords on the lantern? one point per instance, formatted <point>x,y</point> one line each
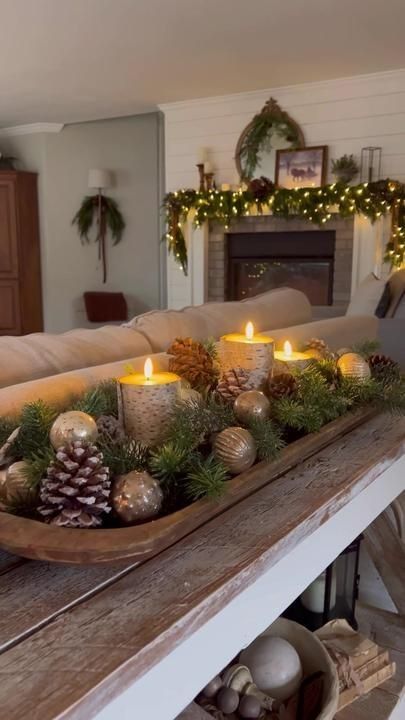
<point>333,594</point>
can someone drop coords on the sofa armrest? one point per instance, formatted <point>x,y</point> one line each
<point>337,332</point>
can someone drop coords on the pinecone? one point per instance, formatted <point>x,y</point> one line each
<point>318,348</point>
<point>233,383</point>
<point>193,362</point>
<point>384,368</point>
<point>282,385</point>
<point>75,492</point>
<point>110,427</point>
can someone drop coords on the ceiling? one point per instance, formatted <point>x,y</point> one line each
<point>73,60</point>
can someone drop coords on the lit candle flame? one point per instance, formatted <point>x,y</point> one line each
<point>287,349</point>
<point>148,369</point>
<point>249,331</point>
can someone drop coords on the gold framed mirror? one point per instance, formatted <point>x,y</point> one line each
<point>270,130</point>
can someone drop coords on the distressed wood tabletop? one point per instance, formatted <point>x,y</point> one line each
<point>72,639</point>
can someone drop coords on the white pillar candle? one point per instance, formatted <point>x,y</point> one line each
<point>207,167</point>
<point>313,598</point>
<point>146,403</point>
<point>248,351</point>
<point>201,155</point>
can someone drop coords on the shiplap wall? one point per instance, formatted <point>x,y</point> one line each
<point>345,114</point>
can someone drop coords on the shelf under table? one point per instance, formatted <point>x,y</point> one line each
<point>125,642</point>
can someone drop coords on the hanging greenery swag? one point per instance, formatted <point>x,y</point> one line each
<point>317,205</point>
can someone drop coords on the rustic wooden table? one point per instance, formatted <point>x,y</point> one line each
<point>126,642</point>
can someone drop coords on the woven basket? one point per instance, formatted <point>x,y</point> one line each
<point>314,657</point>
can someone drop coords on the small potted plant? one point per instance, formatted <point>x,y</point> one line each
<point>345,168</point>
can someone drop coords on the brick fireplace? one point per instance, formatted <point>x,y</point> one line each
<point>261,252</point>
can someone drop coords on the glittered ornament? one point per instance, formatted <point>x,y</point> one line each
<point>71,426</point>
<point>17,488</point>
<point>236,449</point>
<point>353,365</point>
<point>188,394</point>
<point>251,405</point>
<point>136,497</point>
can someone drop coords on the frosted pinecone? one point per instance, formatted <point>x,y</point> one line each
<point>76,489</point>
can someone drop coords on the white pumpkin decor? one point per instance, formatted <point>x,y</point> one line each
<point>275,666</point>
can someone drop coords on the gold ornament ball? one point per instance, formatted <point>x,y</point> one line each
<point>71,426</point>
<point>354,365</point>
<point>136,497</point>
<point>236,449</point>
<point>17,488</point>
<point>251,404</point>
<point>188,394</point>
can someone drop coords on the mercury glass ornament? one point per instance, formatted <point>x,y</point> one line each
<point>354,365</point>
<point>251,404</point>
<point>18,489</point>
<point>136,497</point>
<point>71,426</point>
<point>236,449</point>
<point>188,394</point>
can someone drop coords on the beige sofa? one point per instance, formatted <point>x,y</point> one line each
<point>54,367</point>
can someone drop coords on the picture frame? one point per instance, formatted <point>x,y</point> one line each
<point>300,168</point>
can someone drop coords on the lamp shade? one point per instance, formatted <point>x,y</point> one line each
<point>99,178</point>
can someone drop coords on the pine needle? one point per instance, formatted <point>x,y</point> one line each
<point>206,479</point>
<point>123,456</point>
<point>35,423</point>
<point>99,400</point>
<point>267,436</point>
<point>168,462</point>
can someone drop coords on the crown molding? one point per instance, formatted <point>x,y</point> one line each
<point>32,129</point>
<point>304,87</point>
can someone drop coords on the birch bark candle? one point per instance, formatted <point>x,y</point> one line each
<point>146,403</point>
<point>248,351</point>
<point>288,359</point>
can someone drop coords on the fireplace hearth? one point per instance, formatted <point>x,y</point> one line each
<point>259,253</point>
<point>263,261</point>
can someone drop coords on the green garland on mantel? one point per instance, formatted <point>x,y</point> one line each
<point>317,205</point>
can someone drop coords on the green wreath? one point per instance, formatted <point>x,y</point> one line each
<point>257,137</point>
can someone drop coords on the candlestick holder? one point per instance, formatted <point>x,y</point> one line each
<point>201,176</point>
<point>209,181</point>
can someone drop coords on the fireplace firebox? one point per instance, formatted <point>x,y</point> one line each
<point>266,260</point>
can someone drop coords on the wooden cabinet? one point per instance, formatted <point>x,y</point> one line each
<point>20,264</point>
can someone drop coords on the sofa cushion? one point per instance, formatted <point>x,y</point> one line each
<point>337,332</point>
<point>367,296</point>
<point>57,390</point>
<point>274,309</point>
<point>41,354</point>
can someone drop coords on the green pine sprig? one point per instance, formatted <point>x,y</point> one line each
<point>168,462</point>
<point>37,466</point>
<point>123,456</point>
<point>99,400</point>
<point>207,478</point>
<point>268,438</point>
<point>35,423</point>
<point>7,425</point>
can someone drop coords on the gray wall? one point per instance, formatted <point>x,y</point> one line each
<point>131,149</point>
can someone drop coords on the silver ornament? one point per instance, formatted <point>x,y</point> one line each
<point>354,365</point>
<point>236,449</point>
<point>17,488</point>
<point>251,404</point>
<point>71,426</point>
<point>136,497</point>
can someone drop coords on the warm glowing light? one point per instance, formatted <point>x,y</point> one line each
<point>148,369</point>
<point>287,349</point>
<point>249,331</point>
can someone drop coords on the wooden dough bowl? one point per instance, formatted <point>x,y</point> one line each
<point>38,541</point>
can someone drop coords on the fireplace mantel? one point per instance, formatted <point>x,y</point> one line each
<point>368,244</point>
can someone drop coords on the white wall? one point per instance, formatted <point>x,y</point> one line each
<point>345,114</point>
<point>129,147</point>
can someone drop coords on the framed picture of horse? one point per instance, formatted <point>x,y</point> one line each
<point>301,168</point>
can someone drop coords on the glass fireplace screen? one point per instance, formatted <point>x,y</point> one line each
<point>314,277</point>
